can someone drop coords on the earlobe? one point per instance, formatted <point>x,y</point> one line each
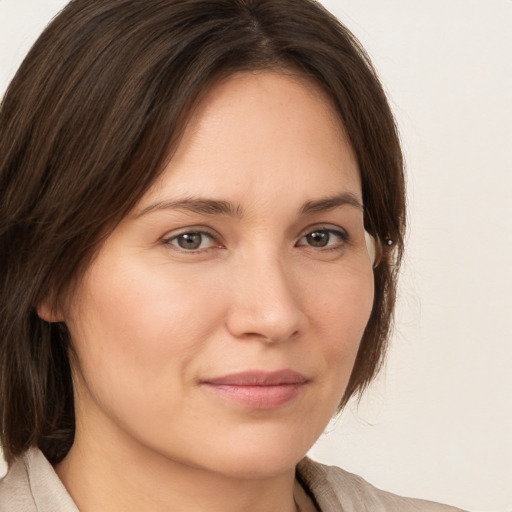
<point>47,313</point>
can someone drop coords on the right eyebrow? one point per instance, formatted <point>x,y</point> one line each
<point>195,205</point>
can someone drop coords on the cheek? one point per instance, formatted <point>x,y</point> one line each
<point>341,302</point>
<point>339,313</point>
<point>136,326</point>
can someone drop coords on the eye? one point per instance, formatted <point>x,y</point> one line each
<point>324,238</point>
<point>191,241</point>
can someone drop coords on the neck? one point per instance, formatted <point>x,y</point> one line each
<point>132,478</point>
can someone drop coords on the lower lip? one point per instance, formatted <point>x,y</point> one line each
<point>259,397</point>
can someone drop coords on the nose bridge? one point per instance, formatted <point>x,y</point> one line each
<point>265,299</point>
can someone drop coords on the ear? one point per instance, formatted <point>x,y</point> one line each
<point>370,246</point>
<point>45,311</point>
<point>374,249</point>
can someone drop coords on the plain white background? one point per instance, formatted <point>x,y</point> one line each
<point>437,423</point>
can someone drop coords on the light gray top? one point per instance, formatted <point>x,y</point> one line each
<point>31,485</point>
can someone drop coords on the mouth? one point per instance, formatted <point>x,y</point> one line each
<point>259,389</point>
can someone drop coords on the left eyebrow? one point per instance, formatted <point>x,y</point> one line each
<point>329,203</point>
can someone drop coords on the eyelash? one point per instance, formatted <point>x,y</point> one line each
<point>341,234</point>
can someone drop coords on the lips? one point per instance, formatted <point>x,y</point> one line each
<point>258,389</point>
<point>259,378</point>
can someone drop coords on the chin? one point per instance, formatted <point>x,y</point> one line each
<point>258,465</point>
<point>261,456</point>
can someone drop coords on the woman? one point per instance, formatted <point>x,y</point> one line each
<point>202,212</point>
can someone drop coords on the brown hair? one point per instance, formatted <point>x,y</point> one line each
<point>85,128</point>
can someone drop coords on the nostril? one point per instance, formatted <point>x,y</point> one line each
<point>271,341</point>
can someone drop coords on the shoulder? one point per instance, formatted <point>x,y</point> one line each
<point>337,490</point>
<point>31,485</point>
<point>15,488</point>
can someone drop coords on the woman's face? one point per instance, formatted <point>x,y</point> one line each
<point>219,323</point>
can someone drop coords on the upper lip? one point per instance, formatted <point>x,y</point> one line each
<point>258,378</point>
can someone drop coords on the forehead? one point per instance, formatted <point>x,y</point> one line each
<point>260,133</point>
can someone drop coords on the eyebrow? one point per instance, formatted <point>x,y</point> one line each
<point>196,205</point>
<point>329,203</point>
<point>219,207</point>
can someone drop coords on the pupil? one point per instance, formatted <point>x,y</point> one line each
<point>318,238</point>
<point>189,241</point>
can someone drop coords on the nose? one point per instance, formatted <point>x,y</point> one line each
<point>265,303</point>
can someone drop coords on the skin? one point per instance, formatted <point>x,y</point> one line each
<point>151,320</point>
